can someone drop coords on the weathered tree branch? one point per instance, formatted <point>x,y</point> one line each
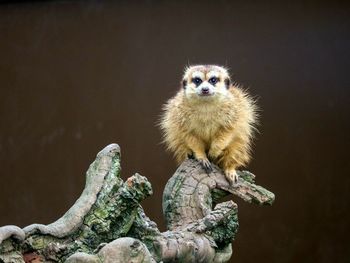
<point>107,223</point>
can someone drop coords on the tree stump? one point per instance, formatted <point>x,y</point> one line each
<point>107,223</point>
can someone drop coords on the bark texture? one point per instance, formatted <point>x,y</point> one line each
<point>107,223</point>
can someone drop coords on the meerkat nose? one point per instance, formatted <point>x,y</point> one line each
<point>205,89</point>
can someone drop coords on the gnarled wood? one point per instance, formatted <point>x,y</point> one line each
<point>107,223</point>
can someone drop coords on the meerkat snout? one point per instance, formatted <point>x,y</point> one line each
<point>205,90</point>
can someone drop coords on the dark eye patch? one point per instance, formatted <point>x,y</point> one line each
<point>213,80</point>
<point>197,81</point>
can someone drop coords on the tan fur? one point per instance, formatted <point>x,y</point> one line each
<point>218,127</point>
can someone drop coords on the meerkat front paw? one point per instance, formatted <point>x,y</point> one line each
<point>231,176</point>
<point>205,164</point>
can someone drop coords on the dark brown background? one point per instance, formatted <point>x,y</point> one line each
<point>76,76</point>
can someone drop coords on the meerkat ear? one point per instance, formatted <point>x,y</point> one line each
<point>227,83</point>
<point>184,83</point>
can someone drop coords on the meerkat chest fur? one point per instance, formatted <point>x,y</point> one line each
<point>206,119</point>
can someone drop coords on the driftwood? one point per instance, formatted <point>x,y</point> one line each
<point>107,223</point>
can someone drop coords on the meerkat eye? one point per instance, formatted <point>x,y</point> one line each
<point>197,81</point>
<point>213,80</point>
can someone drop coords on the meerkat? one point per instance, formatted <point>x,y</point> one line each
<point>211,120</point>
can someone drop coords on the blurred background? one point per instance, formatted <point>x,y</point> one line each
<point>78,75</point>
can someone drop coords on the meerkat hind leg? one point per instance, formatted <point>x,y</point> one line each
<point>234,156</point>
<point>231,175</point>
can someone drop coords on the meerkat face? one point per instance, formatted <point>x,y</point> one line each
<point>206,82</point>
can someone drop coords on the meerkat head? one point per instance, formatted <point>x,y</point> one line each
<point>204,82</point>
